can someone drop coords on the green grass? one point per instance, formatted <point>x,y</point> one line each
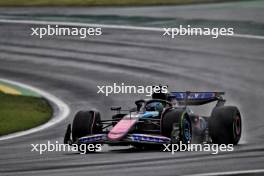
<point>18,113</point>
<point>100,2</point>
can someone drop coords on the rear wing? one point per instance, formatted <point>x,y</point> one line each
<point>196,98</point>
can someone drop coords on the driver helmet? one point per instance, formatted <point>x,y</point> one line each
<point>155,106</point>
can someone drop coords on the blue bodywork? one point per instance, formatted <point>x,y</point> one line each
<point>150,114</point>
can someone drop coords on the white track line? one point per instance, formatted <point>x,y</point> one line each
<point>61,114</point>
<point>256,171</point>
<point>80,24</point>
<point>248,36</point>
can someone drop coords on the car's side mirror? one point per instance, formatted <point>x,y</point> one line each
<point>115,108</point>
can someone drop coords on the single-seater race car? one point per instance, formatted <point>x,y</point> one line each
<point>164,119</point>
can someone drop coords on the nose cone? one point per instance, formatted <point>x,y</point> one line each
<point>121,129</point>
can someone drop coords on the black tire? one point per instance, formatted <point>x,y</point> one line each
<point>86,123</point>
<point>176,118</point>
<point>225,125</point>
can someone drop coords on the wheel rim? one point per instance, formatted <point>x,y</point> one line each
<point>237,126</point>
<point>187,130</point>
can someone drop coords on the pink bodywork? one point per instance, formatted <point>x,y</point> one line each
<point>121,129</point>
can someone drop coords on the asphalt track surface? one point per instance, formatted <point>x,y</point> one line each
<point>71,68</point>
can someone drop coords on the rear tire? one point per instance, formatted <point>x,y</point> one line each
<point>177,125</point>
<point>86,123</point>
<point>225,125</point>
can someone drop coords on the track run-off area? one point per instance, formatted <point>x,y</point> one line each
<point>71,68</point>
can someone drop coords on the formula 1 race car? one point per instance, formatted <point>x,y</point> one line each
<point>164,119</point>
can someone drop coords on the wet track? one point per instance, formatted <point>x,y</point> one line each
<point>71,68</point>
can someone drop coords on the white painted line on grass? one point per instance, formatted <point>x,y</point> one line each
<point>61,114</point>
<point>248,36</point>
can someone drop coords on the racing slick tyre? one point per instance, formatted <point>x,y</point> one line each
<point>86,123</point>
<point>176,124</point>
<point>225,125</point>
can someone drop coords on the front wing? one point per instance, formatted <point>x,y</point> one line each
<point>129,139</point>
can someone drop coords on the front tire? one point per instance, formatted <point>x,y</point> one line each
<point>177,125</point>
<point>86,123</point>
<point>225,125</point>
